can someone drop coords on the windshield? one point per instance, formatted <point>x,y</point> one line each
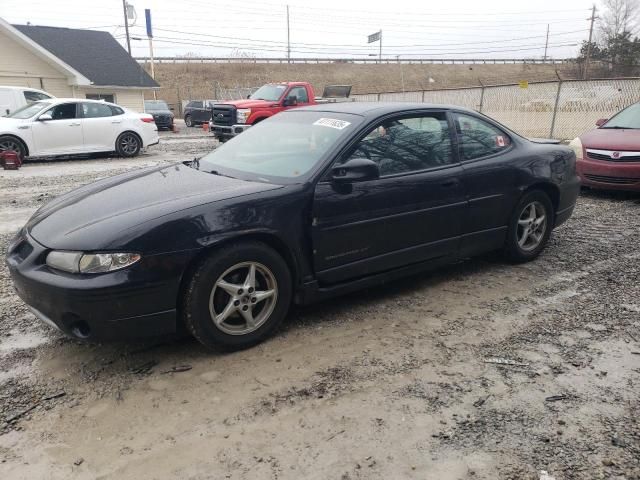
<point>150,105</point>
<point>281,149</point>
<point>270,93</point>
<point>30,110</point>
<point>627,118</point>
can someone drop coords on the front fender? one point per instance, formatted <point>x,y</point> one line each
<point>258,116</point>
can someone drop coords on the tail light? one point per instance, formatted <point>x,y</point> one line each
<point>147,119</point>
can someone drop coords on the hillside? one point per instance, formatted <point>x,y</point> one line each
<point>184,81</point>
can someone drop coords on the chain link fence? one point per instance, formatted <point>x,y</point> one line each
<point>563,109</point>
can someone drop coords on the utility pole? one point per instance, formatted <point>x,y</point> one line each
<point>126,25</point>
<point>288,38</point>
<point>586,63</point>
<point>147,15</point>
<point>380,54</point>
<point>546,45</point>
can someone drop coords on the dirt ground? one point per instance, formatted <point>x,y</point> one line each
<point>481,370</point>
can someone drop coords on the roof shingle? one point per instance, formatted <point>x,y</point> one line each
<point>95,54</point>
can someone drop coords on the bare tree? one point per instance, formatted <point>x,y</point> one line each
<point>618,17</point>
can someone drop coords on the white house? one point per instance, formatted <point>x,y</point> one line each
<point>68,62</point>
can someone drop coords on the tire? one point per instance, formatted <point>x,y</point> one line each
<point>220,288</point>
<point>521,246</point>
<point>187,121</point>
<point>128,145</point>
<point>9,143</point>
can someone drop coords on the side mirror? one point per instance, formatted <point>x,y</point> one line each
<point>290,101</point>
<point>172,109</point>
<point>355,170</point>
<point>601,122</point>
<point>45,117</point>
<point>248,96</point>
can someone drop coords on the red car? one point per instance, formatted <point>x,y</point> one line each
<point>609,156</point>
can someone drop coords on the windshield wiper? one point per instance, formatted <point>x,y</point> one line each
<point>216,172</point>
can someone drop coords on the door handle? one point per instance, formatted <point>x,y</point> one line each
<point>449,183</point>
<point>74,124</point>
<point>117,121</point>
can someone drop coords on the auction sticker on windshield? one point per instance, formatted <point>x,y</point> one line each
<point>332,123</point>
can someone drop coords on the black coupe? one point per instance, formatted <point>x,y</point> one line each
<point>308,204</point>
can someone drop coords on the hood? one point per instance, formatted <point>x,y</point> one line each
<point>96,216</point>
<point>612,139</point>
<point>249,103</point>
<point>9,122</point>
<point>550,141</point>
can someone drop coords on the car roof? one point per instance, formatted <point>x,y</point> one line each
<point>84,100</point>
<point>28,89</point>
<point>376,109</point>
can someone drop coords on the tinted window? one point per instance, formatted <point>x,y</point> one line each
<point>477,138</point>
<point>195,105</point>
<point>31,96</point>
<point>65,111</point>
<point>116,110</point>
<point>408,145</point>
<point>300,93</point>
<point>95,110</point>
<point>155,105</point>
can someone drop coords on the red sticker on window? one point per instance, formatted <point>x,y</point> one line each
<point>500,141</point>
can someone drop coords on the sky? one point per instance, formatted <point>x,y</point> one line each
<point>331,28</point>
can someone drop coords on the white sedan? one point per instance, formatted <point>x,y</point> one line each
<point>71,126</point>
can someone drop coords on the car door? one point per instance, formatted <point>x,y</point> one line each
<point>62,134</point>
<point>490,179</point>
<point>99,127</point>
<point>412,213</point>
<point>198,114</point>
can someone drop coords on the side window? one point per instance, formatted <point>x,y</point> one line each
<point>31,96</point>
<point>478,138</point>
<point>66,111</point>
<point>196,105</point>
<point>96,110</point>
<point>116,110</point>
<point>407,144</point>
<point>300,93</point>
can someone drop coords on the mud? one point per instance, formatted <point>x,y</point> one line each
<point>394,382</point>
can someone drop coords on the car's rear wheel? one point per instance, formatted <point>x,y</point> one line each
<point>529,227</point>
<point>128,144</point>
<point>12,144</point>
<point>237,297</point>
<point>188,121</point>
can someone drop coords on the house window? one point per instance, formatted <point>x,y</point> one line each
<point>107,97</point>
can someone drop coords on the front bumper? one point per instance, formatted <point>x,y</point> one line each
<point>226,131</point>
<point>163,122</point>
<point>135,302</point>
<point>609,175</point>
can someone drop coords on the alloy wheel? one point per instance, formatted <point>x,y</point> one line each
<point>10,145</point>
<point>129,144</point>
<point>243,298</point>
<point>532,225</point>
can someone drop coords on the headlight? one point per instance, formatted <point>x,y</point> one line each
<point>78,262</point>
<point>576,146</point>
<point>243,114</point>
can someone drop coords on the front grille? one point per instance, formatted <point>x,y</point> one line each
<point>224,115</point>
<point>609,158</point>
<point>163,119</point>
<point>616,180</point>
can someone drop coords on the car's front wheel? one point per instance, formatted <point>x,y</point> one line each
<point>529,227</point>
<point>237,297</point>
<point>9,143</point>
<point>128,145</point>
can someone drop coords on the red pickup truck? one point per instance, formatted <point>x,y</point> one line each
<point>231,118</point>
